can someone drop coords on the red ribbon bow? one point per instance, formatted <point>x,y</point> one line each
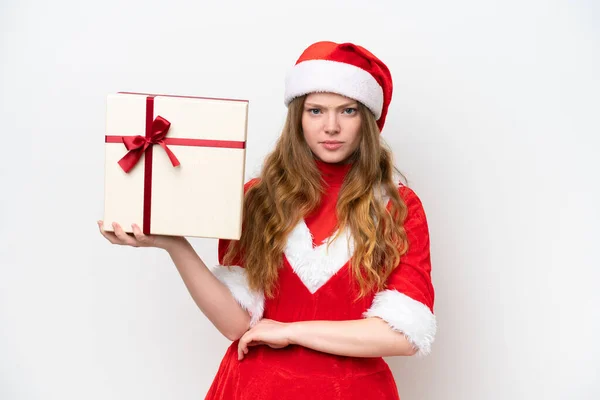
<point>137,145</point>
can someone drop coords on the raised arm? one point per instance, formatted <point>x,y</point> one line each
<point>212,296</point>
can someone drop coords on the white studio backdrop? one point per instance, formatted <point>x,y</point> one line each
<point>494,121</point>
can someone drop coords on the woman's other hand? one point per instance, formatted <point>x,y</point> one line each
<point>266,332</point>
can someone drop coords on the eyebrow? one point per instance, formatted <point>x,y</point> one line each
<point>352,103</point>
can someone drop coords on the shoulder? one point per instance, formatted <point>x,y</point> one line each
<point>416,223</point>
<point>409,196</point>
<point>414,205</point>
<point>250,184</point>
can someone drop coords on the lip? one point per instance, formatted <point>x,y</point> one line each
<point>332,144</point>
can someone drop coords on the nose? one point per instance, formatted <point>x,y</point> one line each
<point>332,124</point>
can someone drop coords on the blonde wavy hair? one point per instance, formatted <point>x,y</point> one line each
<point>290,187</point>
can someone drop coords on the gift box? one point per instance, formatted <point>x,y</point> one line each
<point>174,165</point>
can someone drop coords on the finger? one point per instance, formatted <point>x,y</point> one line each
<point>244,348</point>
<point>139,235</point>
<point>123,237</point>
<point>110,236</point>
<point>243,345</point>
<point>240,351</point>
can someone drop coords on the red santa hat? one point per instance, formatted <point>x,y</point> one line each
<point>346,69</point>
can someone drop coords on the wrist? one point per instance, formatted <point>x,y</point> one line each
<point>294,332</point>
<point>172,243</point>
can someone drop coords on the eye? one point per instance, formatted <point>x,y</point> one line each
<point>350,110</point>
<point>314,111</point>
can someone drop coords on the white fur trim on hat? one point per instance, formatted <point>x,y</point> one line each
<point>404,314</point>
<point>337,77</point>
<point>236,280</point>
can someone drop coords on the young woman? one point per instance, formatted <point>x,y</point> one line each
<point>332,271</point>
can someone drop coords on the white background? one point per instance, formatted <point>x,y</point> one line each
<point>494,120</point>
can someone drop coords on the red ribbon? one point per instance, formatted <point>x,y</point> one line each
<point>137,145</point>
<point>156,132</point>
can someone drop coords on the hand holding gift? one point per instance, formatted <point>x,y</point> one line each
<point>138,238</point>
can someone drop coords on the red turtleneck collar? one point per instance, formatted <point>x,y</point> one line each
<point>322,222</point>
<point>333,174</point>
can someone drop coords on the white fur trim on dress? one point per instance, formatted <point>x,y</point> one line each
<point>236,280</point>
<point>406,315</point>
<point>315,266</point>
<point>336,77</point>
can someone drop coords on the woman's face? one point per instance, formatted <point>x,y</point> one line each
<point>331,125</point>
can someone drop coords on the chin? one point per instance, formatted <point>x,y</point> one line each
<point>332,158</point>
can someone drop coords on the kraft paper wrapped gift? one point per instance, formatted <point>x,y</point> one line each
<point>174,165</point>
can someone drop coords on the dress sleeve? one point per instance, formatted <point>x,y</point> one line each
<point>235,278</point>
<point>407,302</point>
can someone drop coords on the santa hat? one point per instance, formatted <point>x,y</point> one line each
<point>346,69</point>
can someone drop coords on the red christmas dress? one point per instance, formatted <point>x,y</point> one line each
<point>314,284</point>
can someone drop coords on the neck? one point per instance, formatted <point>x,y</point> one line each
<point>333,174</point>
